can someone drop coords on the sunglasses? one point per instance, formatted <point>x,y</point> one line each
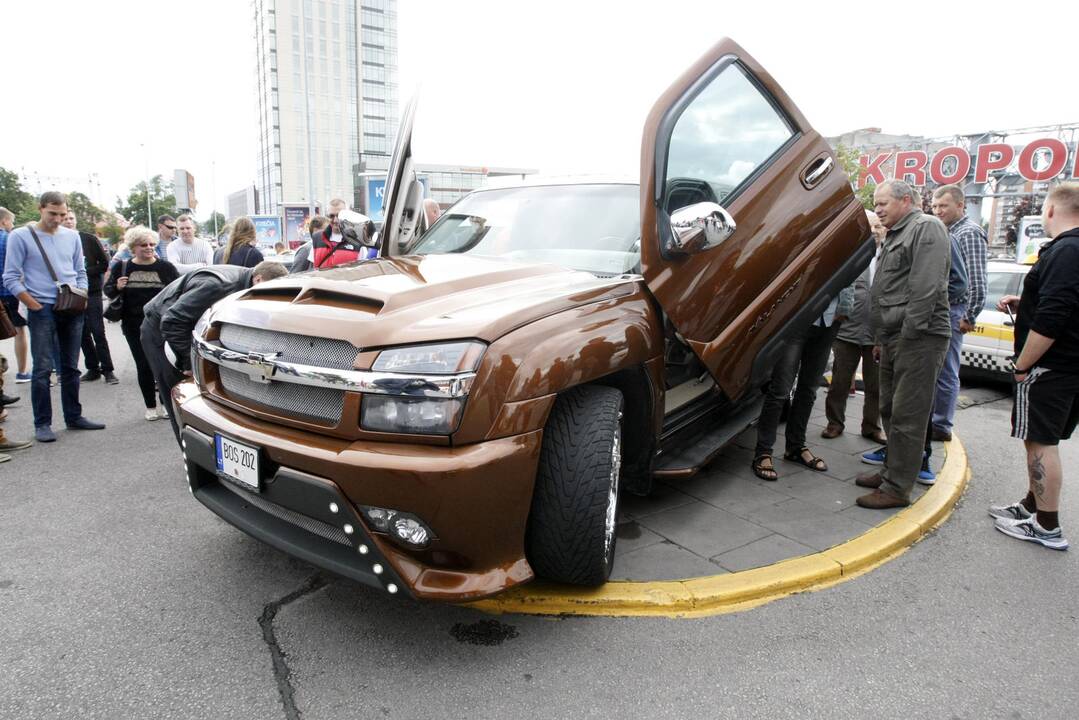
<point>146,245</point>
<point>171,227</point>
<point>332,217</point>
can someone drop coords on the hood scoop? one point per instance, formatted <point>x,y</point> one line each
<point>342,300</point>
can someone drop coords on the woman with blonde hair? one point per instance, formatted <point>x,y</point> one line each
<point>133,283</point>
<point>240,248</point>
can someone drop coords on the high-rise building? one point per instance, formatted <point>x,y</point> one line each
<point>327,97</point>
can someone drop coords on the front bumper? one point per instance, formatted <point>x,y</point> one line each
<point>475,498</point>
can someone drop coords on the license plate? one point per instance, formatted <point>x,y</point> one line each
<point>237,461</point>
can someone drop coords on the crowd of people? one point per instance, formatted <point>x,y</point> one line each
<point>156,285</point>
<point>903,320</point>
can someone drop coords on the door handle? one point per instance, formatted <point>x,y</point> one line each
<point>817,170</point>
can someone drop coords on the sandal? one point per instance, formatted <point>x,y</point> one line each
<point>759,469</point>
<point>813,463</point>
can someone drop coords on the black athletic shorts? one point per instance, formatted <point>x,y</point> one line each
<point>11,304</point>
<point>1046,408</point>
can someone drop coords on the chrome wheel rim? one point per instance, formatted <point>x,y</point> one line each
<point>612,492</point>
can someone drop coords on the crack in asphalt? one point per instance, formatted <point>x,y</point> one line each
<point>281,670</point>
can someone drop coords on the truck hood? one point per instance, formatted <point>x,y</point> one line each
<point>413,299</point>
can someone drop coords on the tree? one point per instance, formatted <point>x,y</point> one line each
<point>162,202</point>
<point>87,215</point>
<point>15,199</point>
<point>848,158</point>
<point>208,226</point>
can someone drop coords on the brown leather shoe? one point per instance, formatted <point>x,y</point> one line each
<point>880,500</point>
<point>941,436</point>
<point>868,480</point>
<point>876,436</point>
<point>832,431</point>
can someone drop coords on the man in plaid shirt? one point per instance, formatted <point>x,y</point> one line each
<point>949,204</point>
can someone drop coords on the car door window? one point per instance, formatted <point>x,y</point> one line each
<point>999,285</point>
<point>726,134</point>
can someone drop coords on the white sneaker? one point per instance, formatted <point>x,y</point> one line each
<point>152,415</point>
<point>162,413</point>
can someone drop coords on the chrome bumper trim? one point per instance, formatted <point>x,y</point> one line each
<point>263,367</point>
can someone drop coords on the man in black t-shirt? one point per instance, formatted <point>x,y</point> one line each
<point>1046,369</point>
<point>95,346</point>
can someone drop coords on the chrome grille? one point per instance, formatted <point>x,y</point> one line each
<point>311,525</point>
<point>298,349</point>
<point>320,405</point>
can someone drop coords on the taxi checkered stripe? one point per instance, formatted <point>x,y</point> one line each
<point>984,361</point>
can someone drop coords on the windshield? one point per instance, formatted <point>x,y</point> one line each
<point>595,228</point>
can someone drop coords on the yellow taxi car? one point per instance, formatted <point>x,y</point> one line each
<point>988,347</point>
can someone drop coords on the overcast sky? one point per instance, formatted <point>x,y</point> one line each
<point>556,86</point>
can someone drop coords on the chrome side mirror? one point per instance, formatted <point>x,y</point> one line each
<point>356,229</point>
<point>698,227</point>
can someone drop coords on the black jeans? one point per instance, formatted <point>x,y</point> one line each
<point>165,373</point>
<point>142,366</point>
<point>805,357</point>
<point>95,346</point>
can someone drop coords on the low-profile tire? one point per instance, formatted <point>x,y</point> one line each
<point>571,527</point>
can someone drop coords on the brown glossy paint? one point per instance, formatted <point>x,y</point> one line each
<point>476,498</point>
<point>715,297</point>
<point>548,329</point>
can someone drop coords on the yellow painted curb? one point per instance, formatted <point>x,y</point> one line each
<point>712,595</point>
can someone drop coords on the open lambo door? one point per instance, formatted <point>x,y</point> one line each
<point>748,228</point>
<point>403,200</point>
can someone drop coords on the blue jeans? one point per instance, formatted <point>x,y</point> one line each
<point>948,380</point>
<point>48,331</point>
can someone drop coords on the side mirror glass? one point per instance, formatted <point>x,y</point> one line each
<point>699,227</point>
<point>356,229</point>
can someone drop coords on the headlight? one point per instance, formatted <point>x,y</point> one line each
<point>425,416</point>
<point>443,359</point>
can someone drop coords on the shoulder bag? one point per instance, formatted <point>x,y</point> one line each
<point>69,300</point>
<point>114,312</point>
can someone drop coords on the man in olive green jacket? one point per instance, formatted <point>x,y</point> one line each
<point>909,316</point>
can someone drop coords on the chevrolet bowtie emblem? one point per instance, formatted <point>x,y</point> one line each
<point>261,366</point>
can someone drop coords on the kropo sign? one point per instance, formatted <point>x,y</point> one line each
<point>953,164</point>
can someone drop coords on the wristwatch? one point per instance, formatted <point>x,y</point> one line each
<point>1016,370</point>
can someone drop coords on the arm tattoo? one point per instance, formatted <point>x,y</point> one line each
<point>1037,476</point>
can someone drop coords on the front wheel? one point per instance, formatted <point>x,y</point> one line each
<point>571,526</point>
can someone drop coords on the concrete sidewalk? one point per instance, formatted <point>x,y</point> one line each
<point>726,519</point>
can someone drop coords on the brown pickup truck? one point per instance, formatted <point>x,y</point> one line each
<point>462,413</point>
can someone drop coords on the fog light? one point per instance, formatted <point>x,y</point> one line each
<point>402,526</point>
<point>411,531</point>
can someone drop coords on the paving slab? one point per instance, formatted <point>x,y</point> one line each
<point>761,552</point>
<point>662,561</point>
<point>704,529</point>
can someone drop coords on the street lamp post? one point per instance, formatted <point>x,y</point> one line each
<point>146,175</point>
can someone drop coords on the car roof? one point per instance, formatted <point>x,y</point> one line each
<point>1004,266</point>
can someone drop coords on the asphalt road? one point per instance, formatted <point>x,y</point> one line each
<point>121,596</point>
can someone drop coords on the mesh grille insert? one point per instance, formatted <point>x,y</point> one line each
<point>300,349</point>
<point>320,405</point>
